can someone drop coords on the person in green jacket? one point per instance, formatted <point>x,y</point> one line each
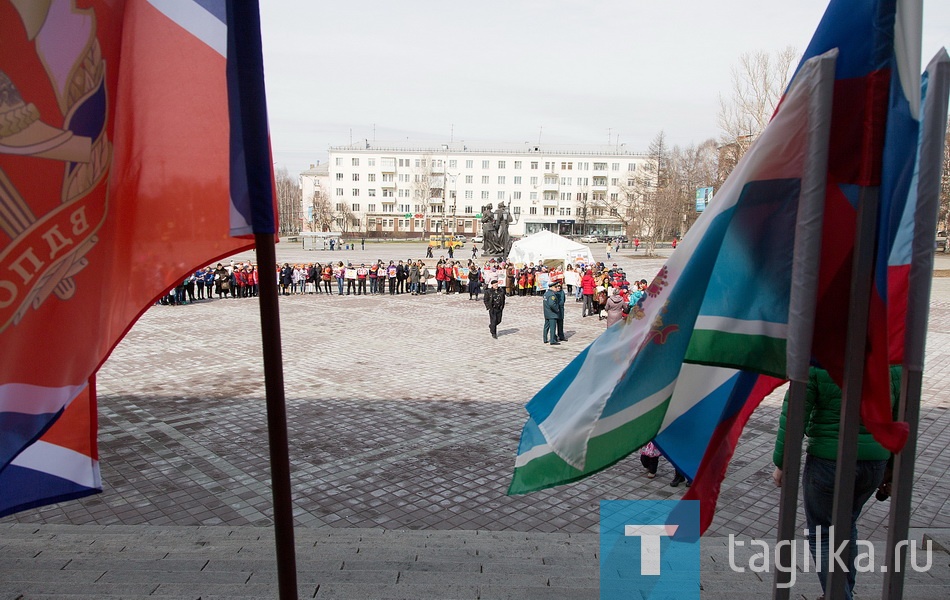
<point>822,416</point>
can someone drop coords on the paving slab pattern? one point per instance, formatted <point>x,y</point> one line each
<point>403,414</point>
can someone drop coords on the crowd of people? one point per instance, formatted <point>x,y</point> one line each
<point>604,291</point>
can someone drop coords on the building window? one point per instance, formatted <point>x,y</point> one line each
<point>371,192</point>
<point>453,164</point>
<point>517,164</point>
<point>468,210</point>
<point>549,166</point>
<point>355,207</point>
<point>534,164</point>
<point>501,164</point>
<point>356,176</point>
<point>339,161</point>
<point>501,180</point>
<point>340,206</point>
<point>613,181</point>
<point>516,195</point>
<point>387,193</point>
<point>548,211</point>
<point>533,196</point>
<point>534,181</point>
<point>632,167</point>
<point>356,192</point>
<point>371,223</point>
<point>469,194</point>
<point>485,164</point>
<point>371,177</point>
<point>567,166</point>
<point>339,191</point>
<point>469,164</point>
<point>565,212</point>
<point>613,197</point>
<point>600,166</point>
<point>532,210</point>
<point>485,195</point>
<point>403,162</point>
<point>371,162</point>
<point>516,210</point>
<point>356,162</point>
<point>484,178</point>
<point>501,195</point>
<point>518,180</point>
<point>388,178</point>
<point>370,208</point>
<point>583,166</point>
<point>339,176</point>
<point>468,179</point>
<point>566,180</point>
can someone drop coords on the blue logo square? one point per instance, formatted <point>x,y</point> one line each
<point>649,549</point>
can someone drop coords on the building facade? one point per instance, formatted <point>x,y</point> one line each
<point>403,192</point>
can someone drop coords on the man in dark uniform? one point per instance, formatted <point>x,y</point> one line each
<point>552,312</point>
<point>495,304</point>
<point>562,297</point>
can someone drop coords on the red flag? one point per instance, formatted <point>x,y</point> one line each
<point>115,184</point>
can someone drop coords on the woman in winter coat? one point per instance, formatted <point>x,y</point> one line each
<point>615,304</point>
<point>587,287</point>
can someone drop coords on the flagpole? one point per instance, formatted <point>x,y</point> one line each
<point>276,418</point>
<point>803,298</point>
<point>930,159</point>
<point>247,104</point>
<point>855,347</point>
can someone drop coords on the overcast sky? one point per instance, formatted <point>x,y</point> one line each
<point>513,71</point>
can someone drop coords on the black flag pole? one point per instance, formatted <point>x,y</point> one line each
<point>247,99</point>
<point>276,418</point>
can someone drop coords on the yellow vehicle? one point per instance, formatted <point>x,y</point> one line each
<point>444,241</point>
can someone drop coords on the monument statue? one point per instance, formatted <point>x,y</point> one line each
<point>502,219</point>
<point>489,232</point>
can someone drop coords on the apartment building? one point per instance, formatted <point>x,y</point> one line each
<point>412,192</point>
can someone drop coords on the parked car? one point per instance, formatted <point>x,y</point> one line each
<point>478,239</point>
<point>461,238</point>
<point>589,239</point>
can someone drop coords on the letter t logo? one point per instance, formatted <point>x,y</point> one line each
<point>649,544</point>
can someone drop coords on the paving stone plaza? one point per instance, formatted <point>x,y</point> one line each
<point>404,418</point>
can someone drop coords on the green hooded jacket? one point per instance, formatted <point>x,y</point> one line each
<point>822,414</point>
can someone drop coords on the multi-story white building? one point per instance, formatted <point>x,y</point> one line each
<point>402,192</point>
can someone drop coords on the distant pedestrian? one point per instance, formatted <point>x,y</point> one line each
<point>495,304</point>
<point>362,243</point>
<point>474,251</point>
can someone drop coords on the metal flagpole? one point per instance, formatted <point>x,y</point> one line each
<point>802,306</point>
<point>934,123</point>
<point>276,419</point>
<point>855,347</point>
<point>246,71</point>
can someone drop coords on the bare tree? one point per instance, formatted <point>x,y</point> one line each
<point>692,168</point>
<point>321,211</point>
<point>288,203</point>
<point>345,219</point>
<point>646,204</point>
<point>427,185</point>
<point>758,82</point>
<point>584,206</point>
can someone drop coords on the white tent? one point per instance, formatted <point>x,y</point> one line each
<point>549,249</point>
